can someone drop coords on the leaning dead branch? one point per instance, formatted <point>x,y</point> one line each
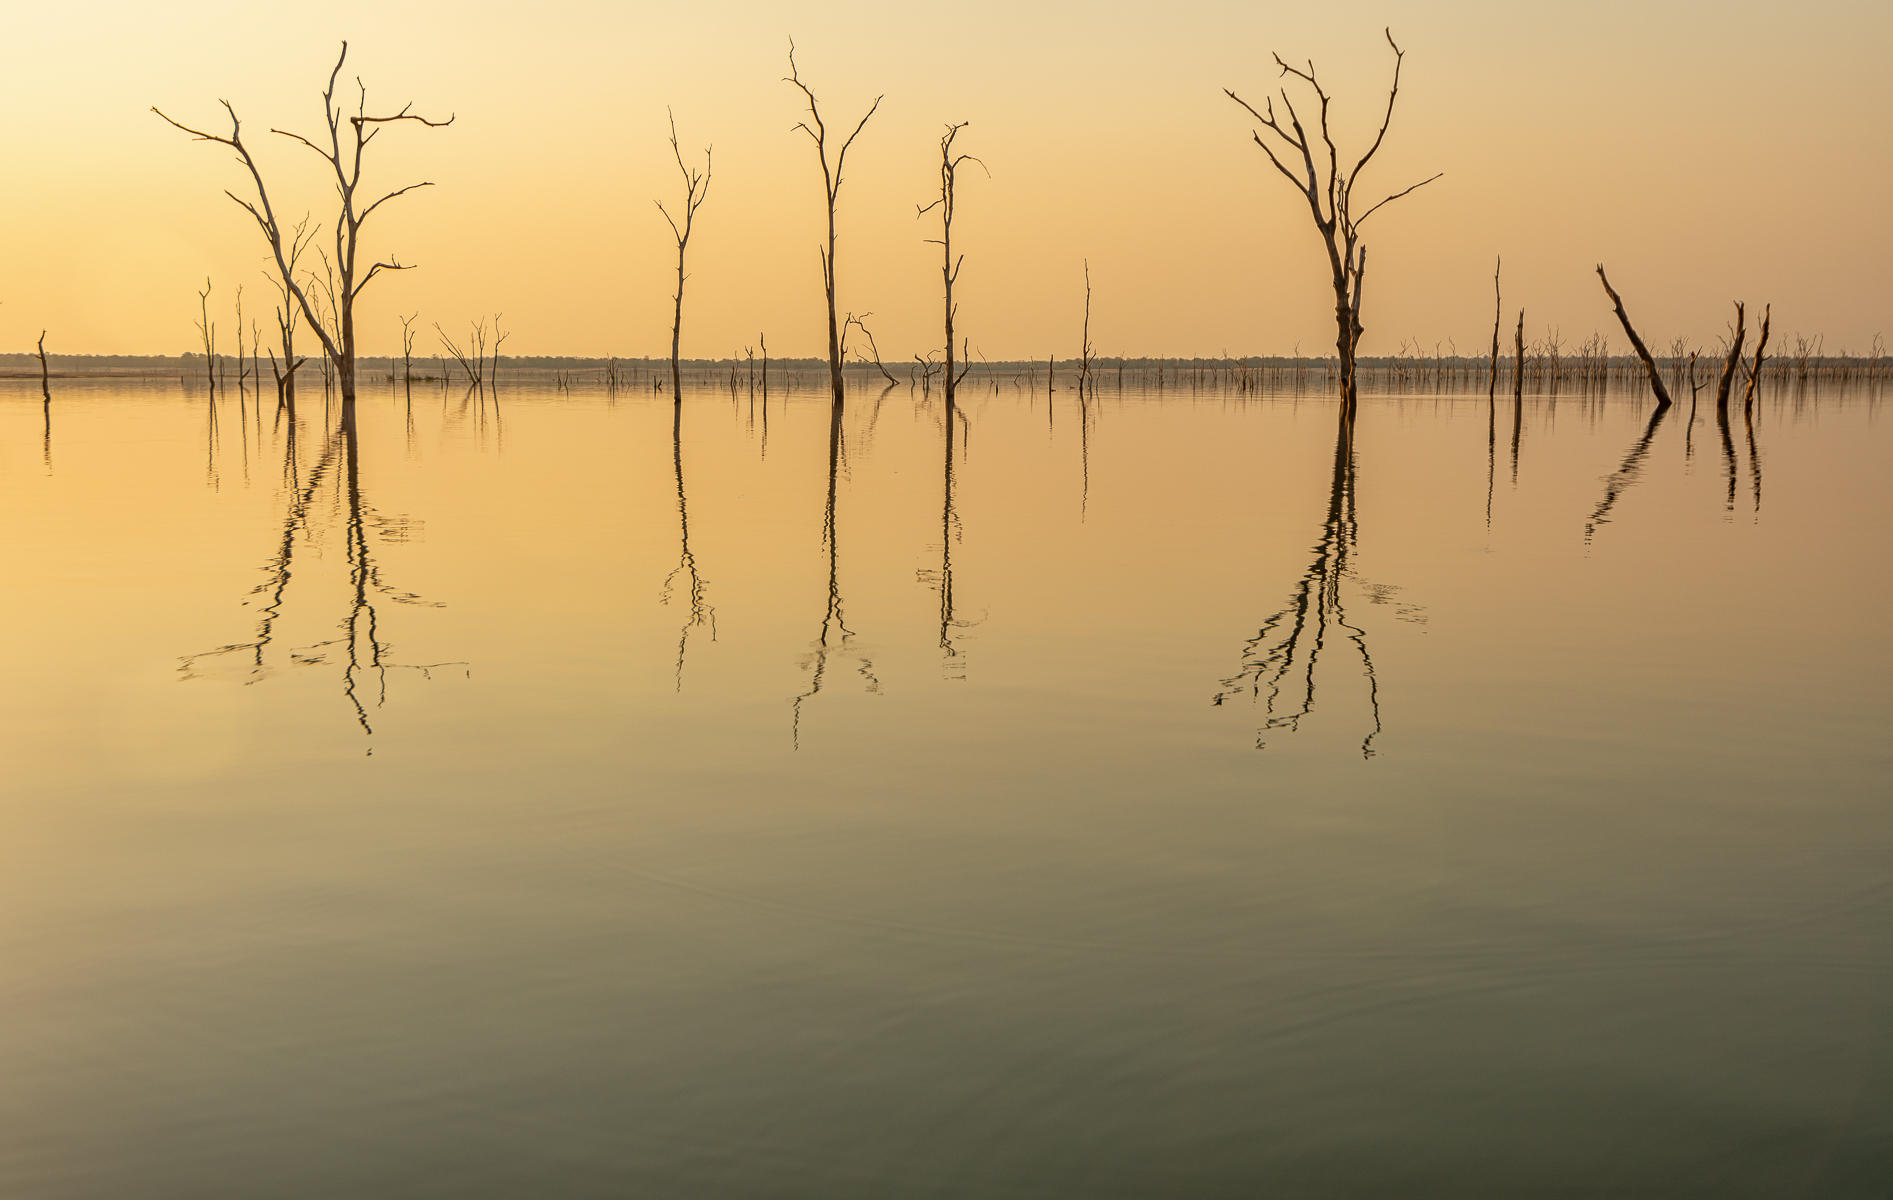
<point>473,359</point>
<point>874,351</point>
<point>696,190</point>
<point>1636,342</point>
<point>1329,192</point>
<point>831,190</point>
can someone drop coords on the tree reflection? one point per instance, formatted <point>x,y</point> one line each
<point>364,655</point>
<point>1280,664</point>
<point>702,613</point>
<point>1627,473</point>
<point>951,533</point>
<point>835,636</point>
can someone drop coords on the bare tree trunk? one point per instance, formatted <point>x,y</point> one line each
<point>208,330</point>
<point>1755,372</point>
<point>1084,361</point>
<point>831,187</point>
<point>498,337</point>
<point>1729,364</point>
<point>1518,359</point>
<point>342,282</point>
<point>696,190</point>
<point>240,351</point>
<point>1492,380</point>
<point>1330,201</point>
<point>949,266</point>
<point>1636,343</point>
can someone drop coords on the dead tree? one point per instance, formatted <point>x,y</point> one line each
<point>499,336</point>
<point>288,313</point>
<point>45,388</point>
<point>1729,364</point>
<point>831,189</point>
<point>1330,197</point>
<point>855,322</point>
<point>407,349</point>
<point>207,330</point>
<point>696,190</point>
<point>1084,361</point>
<point>1498,306</point>
<point>949,266</point>
<point>1518,359</point>
<point>1755,372</point>
<point>473,359</point>
<point>343,154</point>
<point>240,350</point>
<point>1636,343</point>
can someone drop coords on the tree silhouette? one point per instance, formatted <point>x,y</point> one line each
<point>831,190</point>
<point>343,278</point>
<point>1329,191</point>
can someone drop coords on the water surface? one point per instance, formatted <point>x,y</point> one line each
<point>573,794</point>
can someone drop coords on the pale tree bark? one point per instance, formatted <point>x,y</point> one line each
<point>1329,191</point>
<point>831,190</point>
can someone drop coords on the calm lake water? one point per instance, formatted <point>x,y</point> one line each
<point>1164,796</point>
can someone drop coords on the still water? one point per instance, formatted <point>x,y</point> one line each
<point>1158,795</point>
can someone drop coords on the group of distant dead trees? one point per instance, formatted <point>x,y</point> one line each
<point>317,280</point>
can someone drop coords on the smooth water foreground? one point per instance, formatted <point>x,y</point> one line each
<point>1160,796</point>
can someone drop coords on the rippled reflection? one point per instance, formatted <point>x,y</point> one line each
<point>702,613</point>
<point>1280,664</point>
<point>360,648</point>
<point>835,638</point>
<point>1627,472</point>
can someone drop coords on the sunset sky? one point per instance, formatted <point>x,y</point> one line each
<point>1704,151</point>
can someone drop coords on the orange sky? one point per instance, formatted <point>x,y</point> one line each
<point>1704,151</point>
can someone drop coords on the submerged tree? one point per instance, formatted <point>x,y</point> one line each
<point>207,333</point>
<point>950,164</point>
<point>831,190</point>
<point>1636,343</point>
<point>696,190</point>
<point>46,402</point>
<point>1329,192</point>
<point>344,278</point>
